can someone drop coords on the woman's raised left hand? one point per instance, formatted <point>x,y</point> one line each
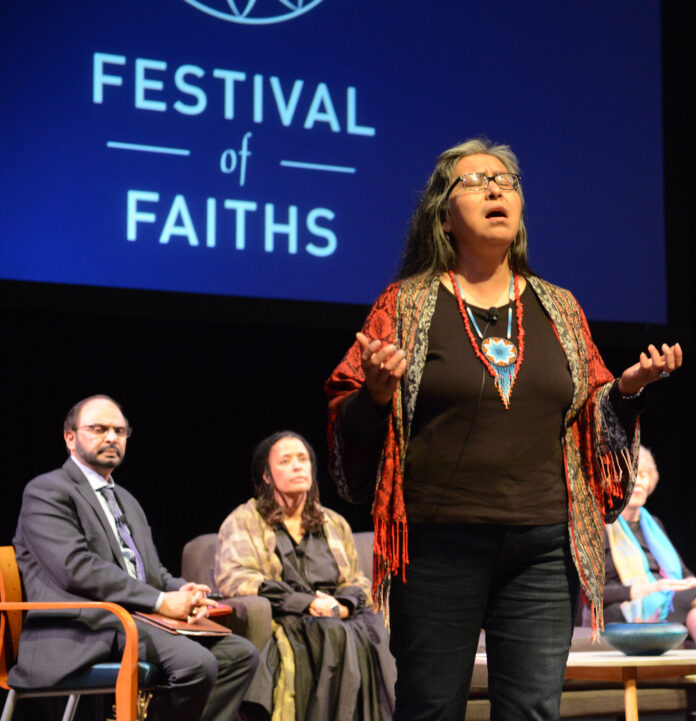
<point>650,368</point>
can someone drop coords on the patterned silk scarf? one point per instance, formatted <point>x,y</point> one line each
<point>632,566</point>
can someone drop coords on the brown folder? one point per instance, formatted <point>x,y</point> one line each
<point>202,627</point>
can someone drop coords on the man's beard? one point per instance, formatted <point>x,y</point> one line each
<point>96,458</point>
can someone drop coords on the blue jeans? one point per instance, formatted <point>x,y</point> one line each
<point>519,584</point>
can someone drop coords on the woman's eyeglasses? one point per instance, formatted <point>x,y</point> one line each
<point>479,181</point>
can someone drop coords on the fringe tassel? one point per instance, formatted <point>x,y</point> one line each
<point>390,552</point>
<point>597,623</point>
<point>596,616</point>
<point>611,466</point>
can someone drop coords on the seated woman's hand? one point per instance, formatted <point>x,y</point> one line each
<point>639,590</point>
<point>325,605</point>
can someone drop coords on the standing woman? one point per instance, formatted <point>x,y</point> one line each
<point>477,410</point>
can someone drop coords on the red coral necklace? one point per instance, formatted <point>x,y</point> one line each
<point>499,355</point>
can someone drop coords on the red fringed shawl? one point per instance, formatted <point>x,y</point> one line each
<point>599,463</point>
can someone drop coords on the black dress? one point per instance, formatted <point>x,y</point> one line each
<point>340,664</point>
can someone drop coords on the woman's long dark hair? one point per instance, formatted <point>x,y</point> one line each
<point>428,248</point>
<point>264,492</point>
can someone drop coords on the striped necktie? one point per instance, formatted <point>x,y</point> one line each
<point>123,530</point>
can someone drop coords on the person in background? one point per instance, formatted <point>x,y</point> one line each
<point>328,657</point>
<point>82,537</point>
<point>476,409</point>
<point>646,579</point>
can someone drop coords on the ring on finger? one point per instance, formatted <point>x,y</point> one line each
<point>664,374</point>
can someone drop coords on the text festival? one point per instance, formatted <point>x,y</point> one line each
<point>149,82</point>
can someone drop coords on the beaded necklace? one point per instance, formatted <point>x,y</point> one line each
<point>500,356</point>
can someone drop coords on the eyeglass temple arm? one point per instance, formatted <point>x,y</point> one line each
<point>451,188</point>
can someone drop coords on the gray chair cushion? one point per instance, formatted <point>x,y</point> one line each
<point>198,559</point>
<point>251,615</point>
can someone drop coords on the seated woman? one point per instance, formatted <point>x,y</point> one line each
<point>646,580</point>
<point>327,646</point>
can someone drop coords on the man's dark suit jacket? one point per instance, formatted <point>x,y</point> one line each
<point>67,551</point>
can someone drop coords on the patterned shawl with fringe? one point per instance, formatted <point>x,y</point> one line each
<point>598,456</point>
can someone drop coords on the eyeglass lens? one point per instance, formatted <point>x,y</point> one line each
<point>479,180</point>
<point>98,429</point>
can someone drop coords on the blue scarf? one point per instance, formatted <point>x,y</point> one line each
<point>632,566</point>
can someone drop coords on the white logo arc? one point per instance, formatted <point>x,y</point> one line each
<point>245,15</point>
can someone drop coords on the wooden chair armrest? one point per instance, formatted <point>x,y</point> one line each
<point>127,680</point>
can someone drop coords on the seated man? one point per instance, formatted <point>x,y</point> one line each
<point>81,537</point>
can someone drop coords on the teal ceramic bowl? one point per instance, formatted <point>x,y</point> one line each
<point>644,639</point>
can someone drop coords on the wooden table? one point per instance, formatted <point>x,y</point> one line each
<point>616,666</point>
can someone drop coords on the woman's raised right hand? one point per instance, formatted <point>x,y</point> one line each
<point>383,365</point>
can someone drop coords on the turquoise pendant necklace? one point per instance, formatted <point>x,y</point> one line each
<point>499,355</point>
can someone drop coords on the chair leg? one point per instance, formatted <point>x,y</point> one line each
<point>71,707</point>
<point>142,706</point>
<point>144,698</point>
<point>10,703</point>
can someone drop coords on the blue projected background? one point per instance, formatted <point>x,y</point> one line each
<point>172,145</point>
